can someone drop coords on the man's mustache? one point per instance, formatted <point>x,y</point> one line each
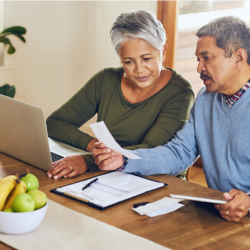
<point>202,75</point>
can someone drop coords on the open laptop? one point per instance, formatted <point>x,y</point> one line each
<point>23,134</point>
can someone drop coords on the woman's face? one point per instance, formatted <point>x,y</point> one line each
<point>142,62</point>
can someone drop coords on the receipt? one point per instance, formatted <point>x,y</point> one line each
<point>103,135</point>
<point>162,206</point>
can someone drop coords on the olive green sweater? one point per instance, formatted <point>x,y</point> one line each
<point>146,124</point>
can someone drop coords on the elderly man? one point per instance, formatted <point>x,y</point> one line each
<point>218,128</point>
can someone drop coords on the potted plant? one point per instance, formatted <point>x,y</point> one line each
<point>8,90</point>
<point>17,31</point>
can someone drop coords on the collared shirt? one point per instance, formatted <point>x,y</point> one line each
<point>230,101</point>
<point>125,161</point>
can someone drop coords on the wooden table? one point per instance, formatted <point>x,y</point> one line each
<point>195,226</point>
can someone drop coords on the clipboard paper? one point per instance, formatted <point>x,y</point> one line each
<point>110,189</point>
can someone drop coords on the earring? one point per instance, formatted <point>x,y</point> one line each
<point>162,67</point>
<point>125,75</point>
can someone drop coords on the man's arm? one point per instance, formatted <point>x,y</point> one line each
<point>172,158</point>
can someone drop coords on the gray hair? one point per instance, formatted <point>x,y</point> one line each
<point>138,24</point>
<point>230,34</point>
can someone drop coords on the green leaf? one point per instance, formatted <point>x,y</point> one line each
<point>20,37</point>
<point>17,31</point>
<point>4,40</point>
<point>14,29</point>
<point>8,90</point>
<point>11,49</point>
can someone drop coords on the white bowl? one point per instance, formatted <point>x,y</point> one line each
<point>21,223</point>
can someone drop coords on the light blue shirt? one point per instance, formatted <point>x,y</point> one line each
<point>217,132</point>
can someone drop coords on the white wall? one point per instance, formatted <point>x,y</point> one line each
<point>43,72</point>
<point>67,42</point>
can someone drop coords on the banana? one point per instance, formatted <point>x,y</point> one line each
<point>19,188</point>
<point>6,186</point>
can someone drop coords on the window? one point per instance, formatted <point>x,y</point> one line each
<point>192,16</point>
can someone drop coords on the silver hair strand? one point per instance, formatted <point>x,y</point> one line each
<point>138,24</point>
<point>230,34</point>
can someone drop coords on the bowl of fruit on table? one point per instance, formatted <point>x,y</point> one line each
<point>22,205</point>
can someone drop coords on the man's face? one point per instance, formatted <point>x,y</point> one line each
<point>217,71</point>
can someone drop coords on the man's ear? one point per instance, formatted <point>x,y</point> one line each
<point>164,52</point>
<point>240,57</point>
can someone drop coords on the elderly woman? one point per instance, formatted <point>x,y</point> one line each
<point>142,103</point>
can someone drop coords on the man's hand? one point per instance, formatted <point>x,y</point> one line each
<point>68,167</point>
<point>237,206</point>
<point>105,158</point>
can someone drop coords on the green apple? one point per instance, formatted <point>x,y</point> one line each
<point>31,181</point>
<point>39,197</point>
<point>23,203</point>
<point>8,210</point>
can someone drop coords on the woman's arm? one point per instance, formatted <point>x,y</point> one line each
<point>63,124</point>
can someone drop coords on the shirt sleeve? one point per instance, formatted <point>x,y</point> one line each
<point>171,119</point>
<point>64,123</point>
<point>172,158</point>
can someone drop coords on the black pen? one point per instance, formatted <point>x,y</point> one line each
<point>89,183</point>
<point>140,204</point>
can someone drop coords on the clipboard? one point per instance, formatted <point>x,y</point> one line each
<point>111,189</point>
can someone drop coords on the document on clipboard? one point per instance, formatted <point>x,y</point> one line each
<point>110,188</point>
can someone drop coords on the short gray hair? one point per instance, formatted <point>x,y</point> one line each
<point>138,24</point>
<point>230,34</point>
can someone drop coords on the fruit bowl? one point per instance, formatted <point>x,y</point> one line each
<point>21,223</point>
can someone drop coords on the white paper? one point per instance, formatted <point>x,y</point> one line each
<point>165,210</point>
<point>159,207</point>
<point>103,135</point>
<point>111,188</point>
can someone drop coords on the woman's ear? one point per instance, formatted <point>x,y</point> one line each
<point>164,52</point>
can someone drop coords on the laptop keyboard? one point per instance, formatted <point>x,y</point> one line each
<point>55,157</point>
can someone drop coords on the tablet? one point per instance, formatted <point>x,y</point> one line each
<point>196,198</point>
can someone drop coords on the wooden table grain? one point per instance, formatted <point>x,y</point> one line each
<point>197,225</point>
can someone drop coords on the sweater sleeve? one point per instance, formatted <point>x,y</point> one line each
<point>170,120</point>
<point>172,158</point>
<point>63,124</point>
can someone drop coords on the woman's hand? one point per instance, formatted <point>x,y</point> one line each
<point>68,167</point>
<point>91,145</point>
<point>237,206</point>
<point>105,158</point>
